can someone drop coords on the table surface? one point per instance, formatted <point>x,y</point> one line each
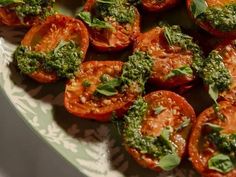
<point>22,153</point>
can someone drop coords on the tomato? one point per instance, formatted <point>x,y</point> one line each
<point>206,25</point>
<point>8,18</point>
<point>176,111</point>
<point>166,58</point>
<point>157,6</point>
<point>45,36</point>
<point>201,151</point>
<point>81,101</point>
<point>116,39</point>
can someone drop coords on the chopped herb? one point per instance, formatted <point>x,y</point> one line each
<point>86,83</point>
<point>23,8</point>
<point>169,162</point>
<point>93,22</point>
<point>198,7</point>
<point>221,163</point>
<point>214,127</point>
<point>122,11</point>
<point>174,36</point>
<point>158,147</point>
<point>184,70</point>
<point>221,18</point>
<point>184,124</point>
<point>159,110</point>
<point>64,59</point>
<point>108,88</point>
<point>104,77</point>
<point>9,2</point>
<point>137,70</point>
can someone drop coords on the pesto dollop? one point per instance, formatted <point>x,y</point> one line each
<point>175,37</point>
<point>25,8</point>
<point>137,70</point>
<point>120,10</point>
<point>64,59</point>
<point>215,73</point>
<point>221,18</point>
<point>158,147</point>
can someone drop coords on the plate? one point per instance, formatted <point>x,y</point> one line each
<point>95,149</point>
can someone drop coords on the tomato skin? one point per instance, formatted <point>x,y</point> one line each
<point>165,58</point>
<point>199,158</point>
<point>44,37</point>
<point>97,108</point>
<point>207,27</point>
<point>153,125</point>
<point>120,38</point>
<point>152,6</point>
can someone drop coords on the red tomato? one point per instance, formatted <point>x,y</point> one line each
<point>45,36</point>
<point>207,26</point>
<point>201,151</point>
<point>177,109</point>
<point>113,40</point>
<point>157,6</point>
<point>166,58</point>
<point>81,101</point>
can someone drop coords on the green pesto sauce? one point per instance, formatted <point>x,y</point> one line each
<point>221,18</point>
<point>225,143</point>
<point>156,146</point>
<point>64,59</point>
<point>137,70</point>
<point>135,73</point>
<point>121,10</point>
<point>175,37</point>
<point>41,8</point>
<point>215,73</point>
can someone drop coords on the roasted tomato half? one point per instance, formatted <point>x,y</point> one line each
<point>25,12</point>
<point>212,142</point>
<point>113,26</point>
<point>157,5</point>
<point>156,129</point>
<point>219,71</point>
<point>53,49</point>
<point>173,62</point>
<point>215,16</point>
<point>94,93</point>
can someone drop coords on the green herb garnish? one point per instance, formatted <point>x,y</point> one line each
<point>184,70</point>
<point>64,59</point>
<point>221,163</point>
<point>184,124</point>
<point>108,88</point>
<point>159,110</point>
<point>86,83</point>
<point>175,37</point>
<point>93,22</point>
<point>169,162</point>
<point>198,7</point>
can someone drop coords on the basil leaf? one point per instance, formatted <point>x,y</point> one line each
<point>184,124</point>
<point>214,127</point>
<point>184,70</point>
<point>169,162</point>
<point>165,136</point>
<point>9,2</point>
<point>93,22</point>
<point>106,1</point>
<point>159,109</point>
<point>198,7</point>
<point>86,83</point>
<point>221,163</point>
<point>109,88</point>
<point>213,92</point>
